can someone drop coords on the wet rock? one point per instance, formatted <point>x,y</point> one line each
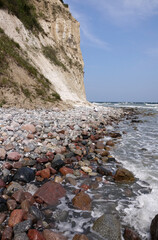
<point>82,201</point>
<point>7,233</point>
<point>80,237</point>
<point>2,217</point>
<point>3,205</point>
<point>21,236</point>
<point>50,235</point>
<point>33,234</point>
<point>2,153</point>
<point>105,153</point>
<point>104,171</point>
<point>65,170</point>
<point>115,135</point>
<point>24,174</point>
<point>50,192</point>
<point>14,156</point>
<point>71,180</point>
<point>154,228</point>
<point>58,164</point>
<point>15,217</point>
<point>124,175</point>
<point>29,128</point>
<point>36,212</point>
<point>60,215</point>
<point>108,226</point>
<point>11,204</point>
<point>110,143</point>
<point>129,234</point>
<point>22,226</point>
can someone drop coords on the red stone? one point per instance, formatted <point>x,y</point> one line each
<point>65,170</point>
<point>2,184</point>
<point>50,235</point>
<point>15,217</point>
<point>42,160</point>
<point>17,165</point>
<point>85,187</point>
<point>7,233</point>
<point>92,137</point>
<point>50,156</point>
<point>45,173</point>
<point>129,234</point>
<point>14,156</point>
<point>82,201</point>
<point>50,192</point>
<point>30,136</point>
<point>80,237</point>
<point>110,143</point>
<point>7,165</point>
<point>33,234</point>
<point>29,128</point>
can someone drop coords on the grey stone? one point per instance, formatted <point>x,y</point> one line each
<point>60,215</point>
<point>13,187</point>
<point>36,212</point>
<point>22,226</point>
<point>21,236</point>
<point>108,226</point>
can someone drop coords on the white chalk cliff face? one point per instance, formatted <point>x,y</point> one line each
<point>62,33</point>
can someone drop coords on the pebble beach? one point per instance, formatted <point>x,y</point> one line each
<point>54,165</point>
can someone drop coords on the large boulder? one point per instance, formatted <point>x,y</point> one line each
<point>123,175</point>
<point>108,226</point>
<point>50,192</point>
<point>154,228</point>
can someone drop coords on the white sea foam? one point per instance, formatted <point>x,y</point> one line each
<point>138,151</point>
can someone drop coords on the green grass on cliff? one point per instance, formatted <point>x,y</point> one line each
<point>51,54</point>
<point>24,11</point>
<point>10,51</point>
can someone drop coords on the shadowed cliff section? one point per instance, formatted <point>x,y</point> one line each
<point>41,61</point>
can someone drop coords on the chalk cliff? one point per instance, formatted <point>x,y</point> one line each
<point>44,60</point>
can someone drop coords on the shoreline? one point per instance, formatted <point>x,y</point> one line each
<point>42,146</point>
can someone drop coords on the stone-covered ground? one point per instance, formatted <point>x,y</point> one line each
<point>46,156</point>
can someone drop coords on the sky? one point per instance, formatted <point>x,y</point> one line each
<point>119,44</point>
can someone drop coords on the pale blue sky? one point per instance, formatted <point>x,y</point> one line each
<point>119,43</point>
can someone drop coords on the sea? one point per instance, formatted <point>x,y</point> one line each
<point>138,152</point>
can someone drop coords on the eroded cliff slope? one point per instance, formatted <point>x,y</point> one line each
<point>40,60</point>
